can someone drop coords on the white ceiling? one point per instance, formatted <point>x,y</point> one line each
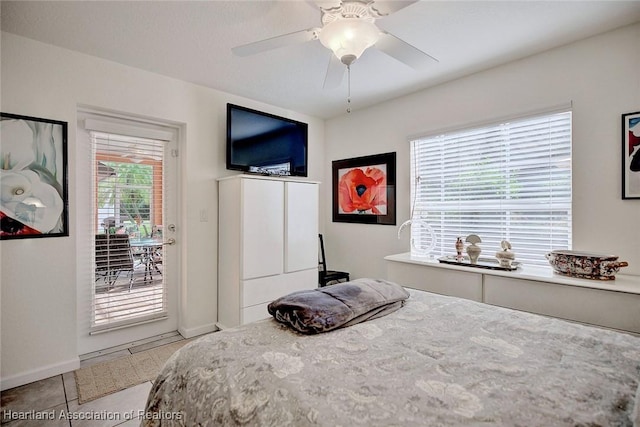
<point>192,41</point>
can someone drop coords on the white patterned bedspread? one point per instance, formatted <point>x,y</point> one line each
<point>438,361</point>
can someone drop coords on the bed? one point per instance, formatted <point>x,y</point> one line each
<point>436,361</point>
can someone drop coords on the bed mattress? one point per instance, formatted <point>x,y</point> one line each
<point>437,361</point>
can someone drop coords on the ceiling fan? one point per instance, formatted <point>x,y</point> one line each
<point>348,29</point>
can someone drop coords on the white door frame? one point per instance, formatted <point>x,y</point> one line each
<point>134,334</point>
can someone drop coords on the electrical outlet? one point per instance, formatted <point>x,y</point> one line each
<point>204,215</point>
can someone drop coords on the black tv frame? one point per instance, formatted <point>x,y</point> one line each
<point>246,169</point>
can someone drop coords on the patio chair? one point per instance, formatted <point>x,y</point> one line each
<point>113,257</point>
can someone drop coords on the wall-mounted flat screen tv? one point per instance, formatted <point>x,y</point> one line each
<point>262,143</point>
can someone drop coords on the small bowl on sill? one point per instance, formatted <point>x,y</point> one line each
<point>585,265</point>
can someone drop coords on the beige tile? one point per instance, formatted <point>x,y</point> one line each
<point>157,343</point>
<point>70,389</point>
<point>54,417</point>
<point>104,358</point>
<point>115,408</point>
<point>37,396</point>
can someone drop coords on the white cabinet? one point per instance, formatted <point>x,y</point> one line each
<point>268,244</point>
<point>460,284</point>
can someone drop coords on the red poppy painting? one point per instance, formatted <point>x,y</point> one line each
<point>364,189</point>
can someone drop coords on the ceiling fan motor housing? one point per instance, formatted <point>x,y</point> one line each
<point>351,9</point>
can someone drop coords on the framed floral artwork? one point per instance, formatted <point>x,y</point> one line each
<point>33,175</point>
<point>364,189</point>
<point>631,156</point>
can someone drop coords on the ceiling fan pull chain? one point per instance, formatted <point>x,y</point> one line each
<point>348,89</point>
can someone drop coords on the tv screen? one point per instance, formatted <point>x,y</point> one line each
<point>263,143</point>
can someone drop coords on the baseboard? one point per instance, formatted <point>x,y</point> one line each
<point>221,326</point>
<point>200,330</point>
<point>127,345</point>
<point>39,374</point>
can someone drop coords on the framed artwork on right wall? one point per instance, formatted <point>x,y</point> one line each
<point>631,155</point>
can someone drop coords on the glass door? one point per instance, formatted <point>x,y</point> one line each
<point>133,279</point>
<point>129,210</point>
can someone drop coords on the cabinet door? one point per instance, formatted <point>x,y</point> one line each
<point>262,228</point>
<point>266,289</point>
<point>301,226</point>
<point>617,310</point>
<point>443,281</point>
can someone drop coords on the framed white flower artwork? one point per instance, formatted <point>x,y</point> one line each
<point>33,177</point>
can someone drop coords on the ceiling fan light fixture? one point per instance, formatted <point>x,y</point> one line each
<point>348,38</point>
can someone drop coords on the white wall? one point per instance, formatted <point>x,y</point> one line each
<point>40,277</point>
<point>600,75</point>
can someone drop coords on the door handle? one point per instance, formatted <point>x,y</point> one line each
<point>170,241</point>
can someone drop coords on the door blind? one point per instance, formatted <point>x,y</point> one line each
<point>127,216</point>
<point>508,181</point>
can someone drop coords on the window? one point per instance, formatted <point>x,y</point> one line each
<point>508,181</point>
<point>126,197</point>
<point>129,286</point>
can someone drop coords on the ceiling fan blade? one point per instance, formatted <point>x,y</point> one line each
<point>403,51</point>
<point>324,4</point>
<point>335,73</point>
<point>389,7</point>
<point>275,42</point>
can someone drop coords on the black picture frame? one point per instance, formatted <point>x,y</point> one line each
<point>631,155</point>
<point>364,189</point>
<point>34,175</point>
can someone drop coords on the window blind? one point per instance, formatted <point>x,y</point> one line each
<point>509,180</point>
<point>128,209</point>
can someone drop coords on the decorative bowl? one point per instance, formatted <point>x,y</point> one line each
<point>585,265</point>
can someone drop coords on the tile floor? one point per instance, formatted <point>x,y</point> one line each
<point>55,400</point>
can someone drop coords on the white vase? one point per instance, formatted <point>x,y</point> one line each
<point>473,251</point>
<point>459,247</point>
<point>505,257</point>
